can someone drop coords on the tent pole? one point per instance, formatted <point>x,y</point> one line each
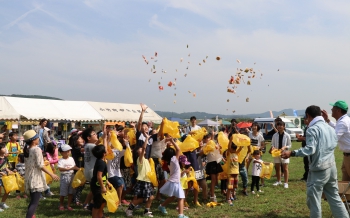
<point>66,139</point>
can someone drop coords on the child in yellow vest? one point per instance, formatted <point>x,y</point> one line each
<point>13,149</point>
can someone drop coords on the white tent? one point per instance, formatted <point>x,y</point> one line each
<point>124,112</point>
<point>208,122</point>
<point>12,108</point>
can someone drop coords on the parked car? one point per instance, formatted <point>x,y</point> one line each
<point>291,129</point>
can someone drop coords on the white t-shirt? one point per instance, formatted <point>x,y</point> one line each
<point>256,140</point>
<point>191,128</point>
<point>66,164</point>
<point>214,156</point>
<point>256,167</point>
<point>175,171</point>
<point>89,161</point>
<point>113,166</point>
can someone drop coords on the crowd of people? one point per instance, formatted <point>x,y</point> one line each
<point>178,173</point>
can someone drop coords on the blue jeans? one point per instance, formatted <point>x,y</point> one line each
<point>243,174</point>
<point>117,182</point>
<point>324,181</point>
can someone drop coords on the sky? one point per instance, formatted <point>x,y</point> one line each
<point>92,50</point>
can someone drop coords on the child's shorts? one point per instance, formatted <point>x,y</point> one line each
<point>97,196</point>
<point>280,160</point>
<point>66,184</point>
<point>117,182</point>
<point>143,189</point>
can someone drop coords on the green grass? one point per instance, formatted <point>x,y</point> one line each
<point>274,202</point>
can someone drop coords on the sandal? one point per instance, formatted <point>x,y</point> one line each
<point>69,208</point>
<point>78,203</point>
<point>61,208</point>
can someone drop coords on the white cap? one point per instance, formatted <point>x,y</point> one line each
<point>66,147</point>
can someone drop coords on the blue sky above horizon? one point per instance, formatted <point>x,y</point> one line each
<point>91,50</point>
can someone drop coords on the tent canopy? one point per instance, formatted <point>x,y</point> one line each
<point>208,122</point>
<point>12,108</point>
<point>224,122</point>
<point>124,112</point>
<point>180,121</point>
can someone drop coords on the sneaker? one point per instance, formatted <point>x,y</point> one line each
<point>182,216</point>
<point>245,193</point>
<point>42,197</point>
<point>4,206</point>
<point>128,213</point>
<point>149,214</point>
<point>49,194</point>
<point>253,192</point>
<point>277,183</point>
<point>162,209</point>
<point>125,202</point>
<point>1,210</point>
<point>285,185</point>
<point>260,191</point>
<point>230,202</point>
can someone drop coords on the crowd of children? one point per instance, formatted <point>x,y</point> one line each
<point>88,149</point>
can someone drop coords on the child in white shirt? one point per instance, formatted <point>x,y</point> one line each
<point>66,166</point>
<point>256,171</point>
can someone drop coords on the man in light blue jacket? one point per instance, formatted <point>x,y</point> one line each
<point>321,141</point>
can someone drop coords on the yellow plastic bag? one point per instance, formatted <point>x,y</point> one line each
<point>128,161</point>
<point>109,153</point>
<point>242,154</point>
<point>79,178</point>
<point>222,176</point>
<point>111,198</point>
<point>223,141</point>
<point>189,144</point>
<point>276,153</point>
<point>240,140</point>
<point>192,178</point>
<point>47,176</point>
<point>20,182</point>
<point>152,174</point>
<point>10,183</point>
<point>171,127</point>
<point>209,147</point>
<point>184,183</point>
<point>132,135</point>
<point>266,170</point>
<point>115,142</point>
<point>199,134</point>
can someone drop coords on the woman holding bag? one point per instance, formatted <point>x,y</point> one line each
<point>35,182</point>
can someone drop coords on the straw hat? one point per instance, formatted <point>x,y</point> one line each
<point>30,135</point>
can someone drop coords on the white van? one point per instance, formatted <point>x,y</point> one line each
<point>291,129</point>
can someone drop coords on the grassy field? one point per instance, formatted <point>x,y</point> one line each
<point>274,202</point>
